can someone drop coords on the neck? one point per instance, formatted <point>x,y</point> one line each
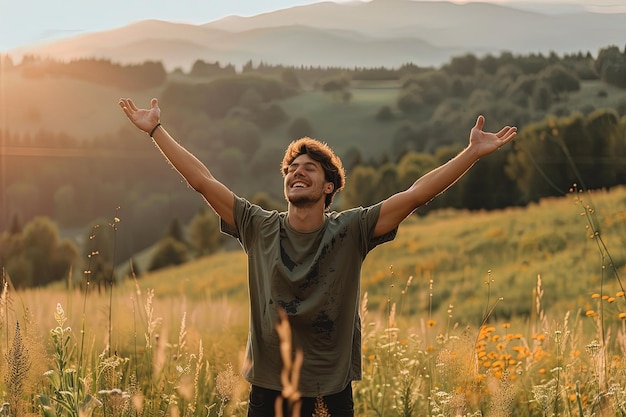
<point>305,219</point>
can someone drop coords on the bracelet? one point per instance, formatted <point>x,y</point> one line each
<point>156,126</point>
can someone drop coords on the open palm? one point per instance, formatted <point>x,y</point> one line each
<point>487,142</point>
<point>144,119</point>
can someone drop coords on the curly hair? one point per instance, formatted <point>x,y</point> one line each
<point>322,153</point>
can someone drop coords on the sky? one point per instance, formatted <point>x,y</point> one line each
<point>29,22</point>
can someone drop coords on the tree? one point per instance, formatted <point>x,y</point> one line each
<point>175,231</point>
<point>560,79</point>
<point>290,78</point>
<point>37,256</point>
<point>299,128</point>
<point>169,252</point>
<point>412,166</point>
<point>204,232</point>
<point>463,65</point>
<point>361,190</point>
<point>602,127</point>
<point>384,114</point>
<point>388,181</point>
<point>611,66</point>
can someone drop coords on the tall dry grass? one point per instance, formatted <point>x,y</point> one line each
<point>134,352</point>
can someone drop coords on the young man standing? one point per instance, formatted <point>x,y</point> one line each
<point>307,261</point>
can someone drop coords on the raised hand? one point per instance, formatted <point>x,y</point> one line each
<point>144,119</point>
<point>486,142</point>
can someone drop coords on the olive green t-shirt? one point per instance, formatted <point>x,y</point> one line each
<point>315,278</point>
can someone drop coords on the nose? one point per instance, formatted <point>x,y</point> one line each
<point>298,171</point>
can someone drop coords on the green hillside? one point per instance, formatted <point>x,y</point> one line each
<point>460,251</point>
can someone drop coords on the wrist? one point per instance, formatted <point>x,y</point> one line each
<point>156,126</point>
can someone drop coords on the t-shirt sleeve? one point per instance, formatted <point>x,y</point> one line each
<point>233,229</point>
<point>247,217</point>
<point>369,220</point>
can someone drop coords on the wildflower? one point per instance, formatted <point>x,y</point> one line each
<point>506,325</point>
<point>622,316</point>
<point>431,323</point>
<point>59,315</point>
<point>593,348</point>
<point>226,383</point>
<point>590,313</point>
<point>595,295</point>
<point>619,294</point>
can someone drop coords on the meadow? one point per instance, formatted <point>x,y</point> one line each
<point>514,312</point>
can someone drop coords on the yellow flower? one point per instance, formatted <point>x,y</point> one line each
<point>590,313</point>
<point>596,295</point>
<point>620,294</point>
<point>431,323</point>
<point>506,325</point>
<point>622,316</point>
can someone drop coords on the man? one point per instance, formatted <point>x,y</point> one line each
<point>307,261</point>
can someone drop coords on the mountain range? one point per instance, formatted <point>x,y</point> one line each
<point>377,33</point>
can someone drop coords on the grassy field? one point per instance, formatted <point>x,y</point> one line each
<point>517,312</point>
<point>459,251</point>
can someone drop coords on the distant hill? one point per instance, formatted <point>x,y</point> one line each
<point>365,34</point>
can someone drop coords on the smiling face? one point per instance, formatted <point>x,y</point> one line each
<point>323,156</point>
<point>305,185</point>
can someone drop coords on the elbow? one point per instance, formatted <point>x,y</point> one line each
<point>199,182</point>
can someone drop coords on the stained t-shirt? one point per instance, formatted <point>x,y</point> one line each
<point>315,278</point>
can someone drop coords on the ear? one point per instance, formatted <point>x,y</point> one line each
<point>329,187</point>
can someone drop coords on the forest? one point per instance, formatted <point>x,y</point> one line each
<point>64,196</point>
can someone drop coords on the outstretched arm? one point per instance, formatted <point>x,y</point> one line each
<point>197,175</point>
<point>397,207</point>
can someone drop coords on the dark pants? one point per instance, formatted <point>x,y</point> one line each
<point>262,400</point>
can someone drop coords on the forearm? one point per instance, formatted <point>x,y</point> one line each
<point>440,179</point>
<point>187,165</point>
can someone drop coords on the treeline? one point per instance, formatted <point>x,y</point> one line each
<point>609,66</point>
<point>546,159</point>
<point>97,71</point>
<point>223,117</point>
